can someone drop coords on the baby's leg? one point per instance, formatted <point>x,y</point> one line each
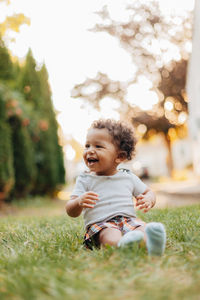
<point>153,234</point>
<point>135,236</point>
<point>110,236</point>
<point>142,227</point>
<point>155,238</point>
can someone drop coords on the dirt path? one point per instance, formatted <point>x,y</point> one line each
<point>167,200</point>
<point>170,197</point>
<point>174,194</point>
<point>55,208</point>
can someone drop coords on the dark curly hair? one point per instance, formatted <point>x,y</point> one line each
<point>121,133</point>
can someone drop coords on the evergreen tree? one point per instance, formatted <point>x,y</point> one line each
<point>6,161</point>
<point>6,154</point>
<point>24,163</point>
<point>29,83</point>
<point>28,128</point>
<point>53,126</point>
<point>6,68</point>
<point>30,155</point>
<point>50,160</point>
<point>48,154</point>
<point>17,118</point>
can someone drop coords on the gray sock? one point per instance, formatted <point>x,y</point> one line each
<point>156,238</point>
<point>131,237</point>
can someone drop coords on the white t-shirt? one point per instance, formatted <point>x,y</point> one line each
<point>115,195</point>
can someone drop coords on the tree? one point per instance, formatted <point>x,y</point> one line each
<point>16,165</point>
<point>54,150</point>
<point>6,68</point>
<point>48,154</point>
<point>7,178</point>
<point>28,128</point>
<point>17,118</point>
<point>31,157</point>
<point>12,22</point>
<point>170,112</point>
<point>29,81</point>
<point>23,153</point>
<point>149,38</point>
<point>153,40</point>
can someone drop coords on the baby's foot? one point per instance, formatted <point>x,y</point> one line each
<point>156,238</point>
<point>131,237</point>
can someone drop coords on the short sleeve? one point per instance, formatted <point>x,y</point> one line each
<point>80,186</point>
<point>139,186</point>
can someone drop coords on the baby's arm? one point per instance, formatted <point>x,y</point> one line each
<point>146,200</point>
<point>76,204</point>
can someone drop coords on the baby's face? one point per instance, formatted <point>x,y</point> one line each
<point>100,154</point>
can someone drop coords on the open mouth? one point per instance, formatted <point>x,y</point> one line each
<point>92,161</point>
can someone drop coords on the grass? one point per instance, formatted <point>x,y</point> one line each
<point>42,257</point>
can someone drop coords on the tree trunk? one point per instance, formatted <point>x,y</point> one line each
<point>169,159</point>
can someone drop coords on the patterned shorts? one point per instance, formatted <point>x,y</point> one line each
<point>124,224</point>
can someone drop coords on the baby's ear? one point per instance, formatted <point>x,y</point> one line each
<point>121,157</point>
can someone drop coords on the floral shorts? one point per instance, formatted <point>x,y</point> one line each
<point>124,224</point>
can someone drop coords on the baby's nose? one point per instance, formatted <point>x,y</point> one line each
<point>91,150</point>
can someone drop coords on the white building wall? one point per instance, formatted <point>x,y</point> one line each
<point>153,155</point>
<point>182,153</point>
<point>193,89</point>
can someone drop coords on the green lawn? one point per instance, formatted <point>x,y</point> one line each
<point>41,257</point>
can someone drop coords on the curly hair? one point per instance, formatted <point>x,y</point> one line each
<point>121,133</point>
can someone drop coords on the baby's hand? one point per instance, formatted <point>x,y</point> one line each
<point>88,199</point>
<point>145,201</point>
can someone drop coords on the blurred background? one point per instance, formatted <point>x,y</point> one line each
<point>64,64</point>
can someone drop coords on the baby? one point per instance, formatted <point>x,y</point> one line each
<point>105,193</point>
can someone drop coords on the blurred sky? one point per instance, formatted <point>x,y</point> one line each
<point>59,36</point>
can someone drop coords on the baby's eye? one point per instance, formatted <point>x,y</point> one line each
<point>99,146</point>
<point>87,146</point>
